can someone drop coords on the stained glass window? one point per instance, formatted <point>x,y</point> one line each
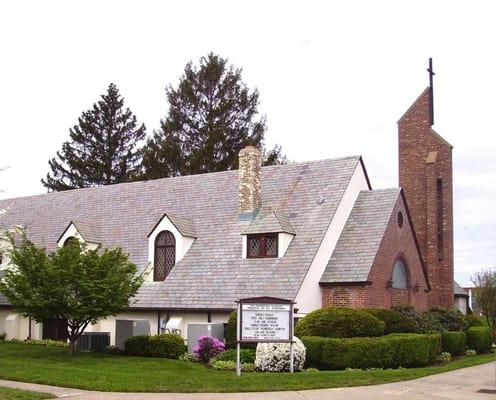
<point>165,255</point>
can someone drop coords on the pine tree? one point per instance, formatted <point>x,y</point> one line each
<point>103,148</point>
<point>212,116</point>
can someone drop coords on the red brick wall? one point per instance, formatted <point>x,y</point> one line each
<point>396,243</point>
<point>418,177</point>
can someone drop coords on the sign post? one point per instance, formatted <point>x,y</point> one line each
<point>265,320</point>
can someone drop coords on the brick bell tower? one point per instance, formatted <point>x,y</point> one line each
<point>426,176</point>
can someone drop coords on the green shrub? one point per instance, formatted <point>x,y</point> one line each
<point>393,320</point>
<point>339,322</point>
<point>391,351</point>
<point>449,318</point>
<point>3,336</point>
<point>166,345</point>
<point>187,357</point>
<point>479,339</point>
<point>230,334</point>
<point>444,357</point>
<point>453,342</point>
<point>473,320</point>
<point>221,365</point>
<point>137,346</point>
<point>470,353</point>
<point>246,355</point>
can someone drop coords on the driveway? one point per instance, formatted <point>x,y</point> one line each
<point>472,383</point>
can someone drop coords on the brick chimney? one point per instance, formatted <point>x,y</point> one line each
<point>250,166</point>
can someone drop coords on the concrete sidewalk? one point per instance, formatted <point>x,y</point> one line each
<point>472,383</point>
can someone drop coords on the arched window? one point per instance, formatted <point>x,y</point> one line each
<point>70,240</point>
<point>165,255</point>
<point>400,275</point>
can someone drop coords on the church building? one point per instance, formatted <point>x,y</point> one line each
<point>313,232</point>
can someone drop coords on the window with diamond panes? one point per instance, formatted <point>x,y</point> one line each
<point>165,255</point>
<point>262,246</point>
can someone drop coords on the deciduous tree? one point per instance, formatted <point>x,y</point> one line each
<point>484,293</point>
<point>74,284</point>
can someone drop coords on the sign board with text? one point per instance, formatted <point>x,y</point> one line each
<point>265,319</point>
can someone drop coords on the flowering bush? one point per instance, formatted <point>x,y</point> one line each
<point>207,348</point>
<point>444,357</point>
<point>274,357</point>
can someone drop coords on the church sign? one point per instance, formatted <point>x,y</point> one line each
<point>265,320</point>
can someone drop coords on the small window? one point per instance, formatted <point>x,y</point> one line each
<point>165,255</point>
<point>262,246</point>
<point>69,241</point>
<point>400,276</point>
<point>400,219</point>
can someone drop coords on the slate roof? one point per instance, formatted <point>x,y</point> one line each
<point>185,226</point>
<point>212,275</point>
<point>90,232</point>
<point>458,290</point>
<point>273,222</point>
<point>359,242</point>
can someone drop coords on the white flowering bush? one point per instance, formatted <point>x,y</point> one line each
<point>274,357</point>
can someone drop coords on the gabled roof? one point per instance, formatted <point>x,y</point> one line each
<point>359,242</point>
<point>458,290</point>
<point>186,227</point>
<point>90,232</point>
<point>212,274</point>
<point>273,222</point>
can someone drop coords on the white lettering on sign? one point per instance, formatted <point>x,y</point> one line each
<point>265,322</point>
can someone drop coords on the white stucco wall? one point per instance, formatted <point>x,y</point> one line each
<point>461,304</point>
<point>309,296</point>
<point>17,327</point>
<point>183,243</point>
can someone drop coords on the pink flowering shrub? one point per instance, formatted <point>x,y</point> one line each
<point>207,348</point>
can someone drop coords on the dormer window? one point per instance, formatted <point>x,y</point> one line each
<point>69,241</point>
<point>165,255</point>
<point>262,245</point>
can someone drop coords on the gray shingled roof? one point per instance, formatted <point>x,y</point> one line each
<point>212,274</point>
<point>273,222</point>
<point>359,242</point>
<point>458,290</point>
<point>185,226</point>
<point>90,232</point>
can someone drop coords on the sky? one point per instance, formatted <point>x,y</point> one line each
<point>334,77</point>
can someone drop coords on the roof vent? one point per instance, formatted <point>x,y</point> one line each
<point>400,219</point>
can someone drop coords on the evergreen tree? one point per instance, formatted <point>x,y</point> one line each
<point>102,150</point>
<point>212,116</point>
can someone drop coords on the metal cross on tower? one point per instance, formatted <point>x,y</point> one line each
<point>431,91</point>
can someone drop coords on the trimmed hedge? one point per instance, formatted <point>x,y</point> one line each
<point>246,356</point>
<point>391,351</point>
<point>230,333</point>
<point>453,342</point>
<point>167,346</point>
<point>137,346</point>
<point>479,339</point>
<point>393,320</point>
<point>450,319</point>
<point>339,323</point>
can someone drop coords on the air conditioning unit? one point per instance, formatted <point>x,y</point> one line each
<point>125,328</point>
<point>197,330</point>
<point>93,341</point>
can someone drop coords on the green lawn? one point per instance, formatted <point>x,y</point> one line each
<point>52,366</point>
<point>15,394</point>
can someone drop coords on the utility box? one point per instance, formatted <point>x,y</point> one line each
<point>93,341</point>
<point>125,328</point>
<point>197,330</point>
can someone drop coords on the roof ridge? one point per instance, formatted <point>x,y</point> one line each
<point>192,176</point>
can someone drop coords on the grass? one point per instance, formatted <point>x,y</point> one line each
<point>16,394</point>
<point>53,366</point>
